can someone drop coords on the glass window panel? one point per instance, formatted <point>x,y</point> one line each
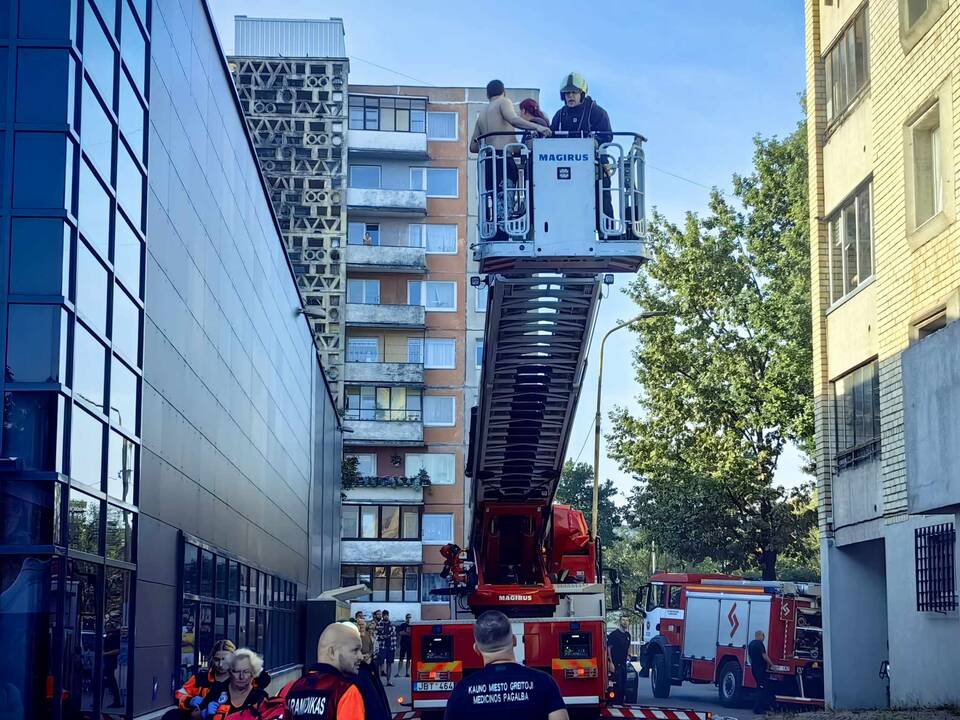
<point>383,404</point>
<point>355,232</point>
<point>127,255</point>
<point>36,344</point>
<point>861,56</point>
<point>848,41</point>
<point>48,20</point>
<point>231,633</point>
<point>83,519</point>
<point>93,210</point>
<point>221,577</point>
<point>851,276</point>
<point>441,126</point>
<point>441,467</point>
<point>368,522</point>
<point>414,292</point>
<point>418,178</point>
<point>415,350</point>
<point>44,86</point>
<point>371,119</point>
<point>438,410</point>
<point>387,119</point>
<point>242,624</point>
<point>430,581</point>
<point>98,54</point>
<point>411,584</point>
<point>28,511</point>
<point>365,176</point>
<point>81,630</point>
<point>379,584</point>
<point>86,448</point>
<point>411,523</point>
<point>191,569</point>
<point>205,636</point>
<point>40,257</point>
<point>403,120</point>
<point>442,182</point>
<point>440,353</point>
<point>133,48</point>
<point>96,132</point>
<point>121,467</point>
<point>395,591</point>
<point>915,10</point>
<point>32,424</point>
<point>252,590</point>
<point>233,581</point>
<point>865,234</point>
<point>363,350</point>
<point>91,290</point>
<point>836,259</point>
<point>418,121</point>
<point>356,119</point>
<point>479,356</point>
<point>350,518</point>
<point>442,239</point>
<point>89,364</point>
<point>132,117</point>
<point>126,325</point>
<point>415,235</point>
<point>389,522</point>
<point>123,396</point>
<point>440,295</point>
<point>437,527</point>
<point>206,573</point>
<point>119,533</point>
<point>188,629</point>
<point>366,464</point>
<point>828,75</point>
<point>130,187</point>
<point>37,182</point>
<point>108,12</point>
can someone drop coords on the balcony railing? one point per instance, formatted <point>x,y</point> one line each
<point>387,202</point>
<point>386,258</point>
<point>387,143</point>
<point>383,432</point>
<point>369,315</point>
<point>391,372</point>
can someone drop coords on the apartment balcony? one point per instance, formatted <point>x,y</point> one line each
<point>406,430</point>
<point>397,373</point>
<point>379,201</point>
<point>931,395</point>
<point>381,552</point>
<point>386,259</point>
<point>387,144</point>
<point>385,316</point>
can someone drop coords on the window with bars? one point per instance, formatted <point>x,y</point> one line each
<point>363,350</point>
<point>934,548</point>
<point>390,114</point>
<point>847,66</point>
<point>857,413</point>
<point>851,244</point>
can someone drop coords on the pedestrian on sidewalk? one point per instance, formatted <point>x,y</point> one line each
<point>387,635</point>
<point>403,636</point>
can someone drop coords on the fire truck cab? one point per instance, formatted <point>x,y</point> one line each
<point>696,628</point>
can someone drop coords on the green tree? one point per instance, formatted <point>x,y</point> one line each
<point>726,380</point>
<point>576,490</point>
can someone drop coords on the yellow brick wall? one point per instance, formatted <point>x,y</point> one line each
<point>907,280</point>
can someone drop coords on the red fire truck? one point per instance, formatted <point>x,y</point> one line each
<point>696,629</point>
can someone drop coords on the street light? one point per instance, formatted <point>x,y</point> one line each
<point>596,437</point>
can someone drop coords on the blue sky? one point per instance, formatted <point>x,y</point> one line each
<point>698,78</point>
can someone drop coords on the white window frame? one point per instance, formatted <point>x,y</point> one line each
<point>426,239</point>
<point>414,462</point>
<point>365,457</point>
<point>456,126</point>
<point>379,176</point>
<point>424,287</point>
<point>365,282</point>
<point>447,343</point>
<point>425,181</point>
<point>439,541</point>
<point>428,399</point>
<point>863,192</point>
<point>418,229</point>
<point>928,130</point>
<point>480,298</point>
<point>365,340</point>
<point>478,354</point>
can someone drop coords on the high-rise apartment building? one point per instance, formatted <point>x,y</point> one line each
<point>883,92</point>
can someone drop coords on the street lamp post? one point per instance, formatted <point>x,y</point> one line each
<point>596,437</point>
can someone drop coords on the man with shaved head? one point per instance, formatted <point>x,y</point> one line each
<point>327,691</point>
<point>504,689</point>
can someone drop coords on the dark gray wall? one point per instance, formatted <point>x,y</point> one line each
<point>931,396</point>
<point>232,388</point>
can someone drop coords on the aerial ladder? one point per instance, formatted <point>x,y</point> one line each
<point>556,218</point>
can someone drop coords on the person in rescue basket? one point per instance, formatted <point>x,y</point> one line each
<point>238,693</point>
<point>504,689</point>
<point>195,689</point>
<point>328,691</point>
<point>618,650</point>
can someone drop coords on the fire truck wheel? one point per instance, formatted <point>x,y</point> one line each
<point>660,676</point>
<point>730,684</point>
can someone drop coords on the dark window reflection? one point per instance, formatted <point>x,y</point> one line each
<point>4,58</point>
<point>123,396</point>
<point>96,131</point>
<point>221,577</point>
<point>83,519</point>
<point>40,257</point>
<point>116,641</point>
<point>91,295</point>
<point>42,86</point>
<point>98,53</point>
<point>133,48</point>
<point>130,187</point>
<point>81,639</point>
<point>89,365</point>
<point>36,180</point>
<point>121,468</point>
<point>93,210</point>
<point>233,584</point>
<point>205,636</point>
<point>220,622</point>
<point>36,344</point>
<point>191,569</point>
<point>119,533</point>
<point>126,325</point>
<point>127,251</point>
<point>28,617</point>
<point>86,448</point>
<point>232,623</point>
<point>108,11</point>
<point>206,573</point>
<point>28,511</point>
<point>188,638</point>
<point>48,20</point>
<point>32,429</point>
<point>132,116</point>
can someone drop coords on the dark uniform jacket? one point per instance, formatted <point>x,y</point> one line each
<point>324,693</point>
<point>583,119</point>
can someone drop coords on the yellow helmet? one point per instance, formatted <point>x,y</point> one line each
<point>572,82</point>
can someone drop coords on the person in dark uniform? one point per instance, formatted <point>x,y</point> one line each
<point>403,637</point>
<point>504,689</point>
<point>759,662</point>
<point>618,652</point>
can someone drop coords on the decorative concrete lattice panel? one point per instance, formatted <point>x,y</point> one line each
<point>296,113</point>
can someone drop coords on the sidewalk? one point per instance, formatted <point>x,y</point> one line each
<point>400,689</point>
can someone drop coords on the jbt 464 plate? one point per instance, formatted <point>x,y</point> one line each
<point>432,686</point>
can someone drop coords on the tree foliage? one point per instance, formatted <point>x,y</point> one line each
<point>576,490</point>
<point>726,380</point>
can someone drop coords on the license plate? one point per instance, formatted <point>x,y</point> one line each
<point>432,686</point>
<point>780,668</point>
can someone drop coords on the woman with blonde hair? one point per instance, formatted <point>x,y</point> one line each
<point>240,691</point>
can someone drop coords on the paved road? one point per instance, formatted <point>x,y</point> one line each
<point>693,697</point>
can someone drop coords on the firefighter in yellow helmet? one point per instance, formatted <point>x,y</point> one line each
<point>580,114</point>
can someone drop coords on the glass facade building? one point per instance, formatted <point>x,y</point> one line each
<point>169,452</point>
